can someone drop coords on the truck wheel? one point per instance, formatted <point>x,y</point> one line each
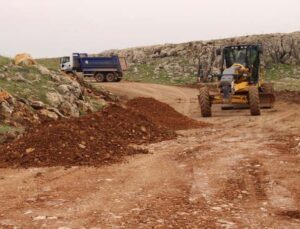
<point>204,102</point>
<point>254,100</point>
<point>110,77</point>
<point>100,77</point>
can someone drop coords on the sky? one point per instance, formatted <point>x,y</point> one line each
<point>52,28</point>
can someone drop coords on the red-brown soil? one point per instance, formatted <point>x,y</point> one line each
<point>97,138</point>
<point>93,139</point>
<point>164,115</point>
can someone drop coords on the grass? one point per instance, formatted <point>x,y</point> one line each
<point>4,60</point>
<point>6,128</point>
<point>50,63</point>
<point>284,77</point>
<point>35,88</point>
<point>151,73</point>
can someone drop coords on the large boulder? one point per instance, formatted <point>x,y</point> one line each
<point>24,59</point>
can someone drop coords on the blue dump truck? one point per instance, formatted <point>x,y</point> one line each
<point>103,69</point>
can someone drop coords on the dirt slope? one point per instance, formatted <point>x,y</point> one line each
<point>235,175</point>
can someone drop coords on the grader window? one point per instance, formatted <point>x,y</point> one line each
<point>235,55</point>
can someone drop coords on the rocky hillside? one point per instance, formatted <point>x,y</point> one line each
<point>177,63</point>
<point>30,93</point>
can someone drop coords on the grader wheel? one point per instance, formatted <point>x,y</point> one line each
<point>254,100</point>
<point>204,102</point>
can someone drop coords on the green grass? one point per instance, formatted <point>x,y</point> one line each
<point>35,89</point>
<point>50,63</point>
<point>146,73</point>
<point>4,128</point>
<point>284,77</point>
<point>4,61</point>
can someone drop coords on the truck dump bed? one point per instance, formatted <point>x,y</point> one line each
<point>90,63</point>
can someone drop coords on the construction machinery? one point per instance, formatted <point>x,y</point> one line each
<point>103,69</point>
<point>240,83</point>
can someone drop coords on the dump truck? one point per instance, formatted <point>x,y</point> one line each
<point>241,82</point>
<point>103,69</point>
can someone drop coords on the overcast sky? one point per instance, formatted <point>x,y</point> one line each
<point>48,28</point>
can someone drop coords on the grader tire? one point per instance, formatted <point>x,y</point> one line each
<point>254,100</point>
<point>204,102</point>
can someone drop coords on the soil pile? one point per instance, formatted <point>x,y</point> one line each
<point>288,96</point>
<point>94,139</point>
<point>163,115</point>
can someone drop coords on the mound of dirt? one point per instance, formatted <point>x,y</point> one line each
<point>164,115</point>
<point>94,139</point>
<point>288,96</point>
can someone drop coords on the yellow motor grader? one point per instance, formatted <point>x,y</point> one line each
<point>240,84</point>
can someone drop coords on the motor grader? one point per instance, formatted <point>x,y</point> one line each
<point>240,84</point>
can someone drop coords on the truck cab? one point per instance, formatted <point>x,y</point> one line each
<point>71,63</point>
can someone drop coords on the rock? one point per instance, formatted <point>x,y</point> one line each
<point>54,98</point>
<point>278,49</point>
<point>5,109</point>
<point>63,89</point>
<point>84,106</point>
<point>43,70</point>
<point>37,105</point>
<point>24,59</point>
<point>69,109</point>
<point>30,150</point>
<point>40,217</point>
<point>49,114</point>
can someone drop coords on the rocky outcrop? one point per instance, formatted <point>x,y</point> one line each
<point>47,93</point>
<point>182,59</point>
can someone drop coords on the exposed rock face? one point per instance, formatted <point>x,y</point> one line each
<point>24,59</point>
<point>182,59</point>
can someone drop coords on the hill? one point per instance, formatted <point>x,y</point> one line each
<point>178,63</point>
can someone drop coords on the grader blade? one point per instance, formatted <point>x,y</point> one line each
<point>267,100</point>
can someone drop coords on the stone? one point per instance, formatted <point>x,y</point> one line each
<point>54,98</point>
<point>24,59</point>
<point>5,109</point>
<point>69,109</point>
<point>63,89</point>
<point>49,114</point>
<point>43,70</point>
<point>37,105</point>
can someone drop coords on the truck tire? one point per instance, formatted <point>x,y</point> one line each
<point>110,77</point>
<point>100,77</point>
<point>253,97</point>
<point>204,102</point>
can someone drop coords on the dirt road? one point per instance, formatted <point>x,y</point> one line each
<point>244,172</point>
